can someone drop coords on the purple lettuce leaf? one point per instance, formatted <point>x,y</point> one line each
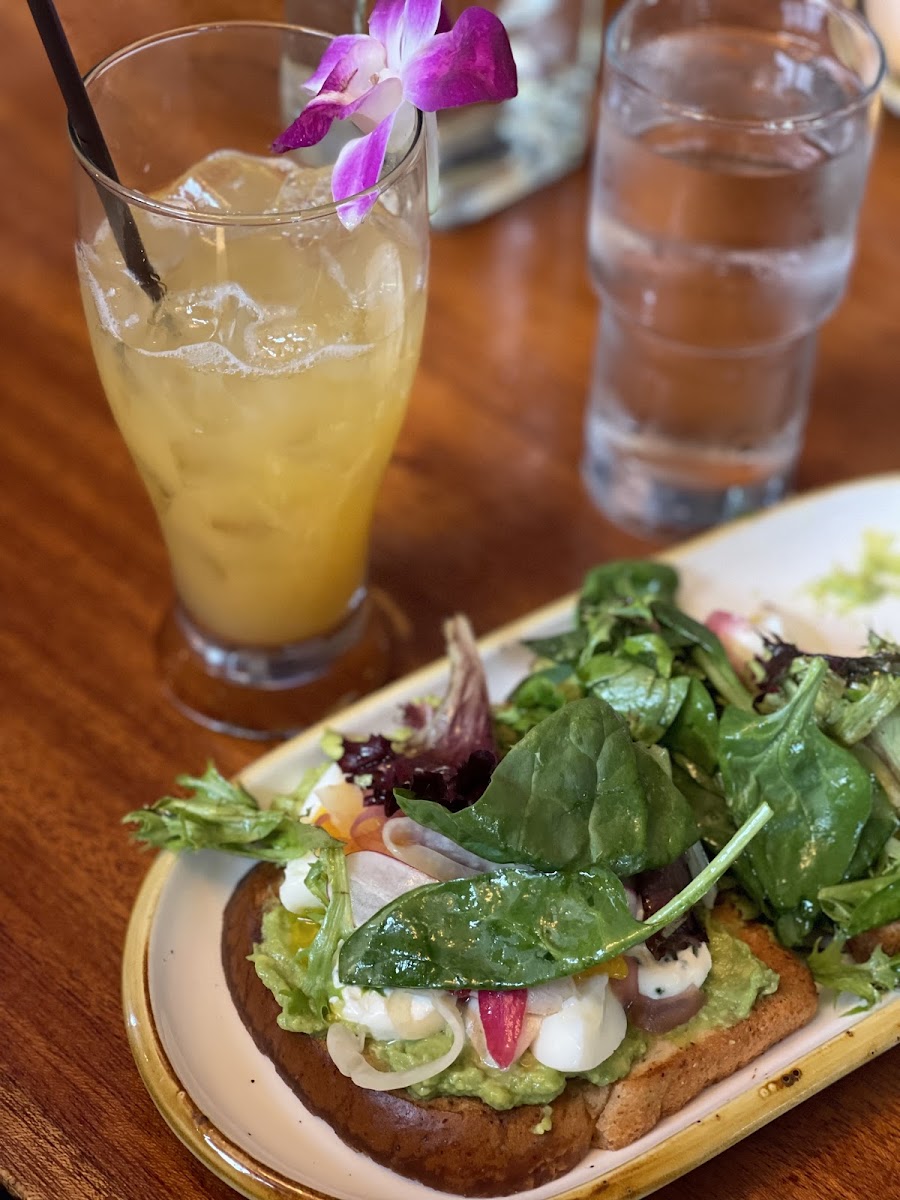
<point>451,753</point>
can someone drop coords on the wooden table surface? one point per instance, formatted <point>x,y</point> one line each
<point>482,510</point>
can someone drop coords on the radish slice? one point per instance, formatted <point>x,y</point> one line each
<point>743,642</point>
<point>502,1014</point>
<point>376,879</point>
<point>431,851</point>
<point>346,1050</point>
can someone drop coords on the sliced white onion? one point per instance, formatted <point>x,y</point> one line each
<point>345,1048</point>
<point>549,998</point>
<point>634,903</point>
<point>697,861</point>
<point>376,879</point>
<point>413,1013</point>
<point>431,851</point>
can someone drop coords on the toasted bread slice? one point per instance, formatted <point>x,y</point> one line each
<point>462,1145</point>
<point>669,1076</point>
<point>885,936</point>
<point>452,1144</point>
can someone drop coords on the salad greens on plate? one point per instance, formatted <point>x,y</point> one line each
<point>638,733</point>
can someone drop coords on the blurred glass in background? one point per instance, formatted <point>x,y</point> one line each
<point>494,154</point>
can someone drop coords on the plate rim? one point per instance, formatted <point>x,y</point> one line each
<point>686,1148</point>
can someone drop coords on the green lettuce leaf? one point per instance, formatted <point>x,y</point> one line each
<point>861,904</point>
<point>300,978</point>
<point>869,980</point>
<point>220,815</point>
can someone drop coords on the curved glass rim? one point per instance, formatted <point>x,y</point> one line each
<point>834,8</point>
<point>165,208</point>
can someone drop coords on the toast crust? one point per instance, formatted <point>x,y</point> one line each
<point>461,1145</point>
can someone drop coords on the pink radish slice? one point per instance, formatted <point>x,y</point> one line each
<point>377,879</point>
<point>502,1014</point>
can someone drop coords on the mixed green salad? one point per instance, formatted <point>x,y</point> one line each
<point>533,832</point>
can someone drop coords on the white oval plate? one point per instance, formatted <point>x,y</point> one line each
<point>225,1100</point>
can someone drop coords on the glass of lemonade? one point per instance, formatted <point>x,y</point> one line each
<point>262,394</point>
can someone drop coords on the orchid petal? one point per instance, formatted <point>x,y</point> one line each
<point>386,24</point>
<point>420,22</point>
<point>358,168</point>
<point>471,63</point>
<point>350,48</point>
<point>314,122</point>
<point>310,127</point>
<point>378,102</point>
<point>444,24</point>
<point>346,87</point>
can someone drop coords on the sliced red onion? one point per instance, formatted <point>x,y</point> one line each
<point>430,851</point>
<point>366,830</point>
<point>346,1050</point>
<point>661,1016</point>
<point>376,879</point>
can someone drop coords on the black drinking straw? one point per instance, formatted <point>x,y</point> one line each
<point>87,135</point>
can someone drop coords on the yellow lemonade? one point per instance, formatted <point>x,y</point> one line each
<point>262,397</point>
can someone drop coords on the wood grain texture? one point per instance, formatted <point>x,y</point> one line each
<point>482,510</point>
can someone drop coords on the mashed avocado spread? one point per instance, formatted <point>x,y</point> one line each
<point>736,980</point>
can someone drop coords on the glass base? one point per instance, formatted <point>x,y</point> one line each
<point>272,693</point>
<point>654,504</point>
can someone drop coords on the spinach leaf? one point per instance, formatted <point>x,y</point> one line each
<point>707,653</point>
<point>714,821</point>
<point>574,792</point>
<point>513,928</point>
<point>647,700</point>
<point>882,824</point>
<point>694,733</point>
<point>627,588</point>
<point>534,699</point>
<point>566,647</point>
<point>220,815</point>
<point>821,795</point>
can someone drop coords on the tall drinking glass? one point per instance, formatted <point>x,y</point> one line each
<point>733,146</point>
<point>261,396</point>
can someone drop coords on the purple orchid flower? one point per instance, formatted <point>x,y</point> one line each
<point>411,54</point>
